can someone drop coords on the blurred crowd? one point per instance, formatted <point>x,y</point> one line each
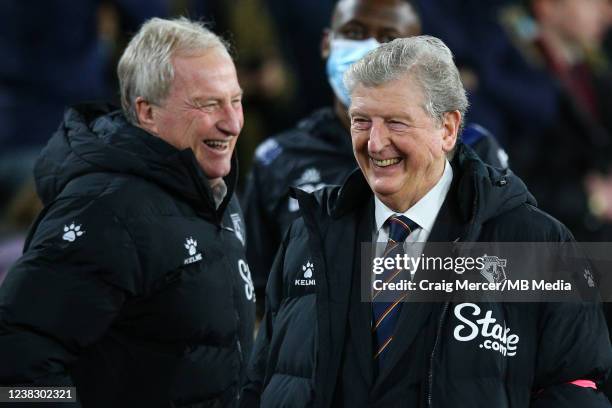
<point>537,71</point>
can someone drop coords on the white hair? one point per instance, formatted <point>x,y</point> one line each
<point>429,62</point>
<point>145,68</point>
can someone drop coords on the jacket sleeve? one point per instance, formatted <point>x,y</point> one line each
<point>574,352</point>
<point>63,294</point>
<point>256,370</point>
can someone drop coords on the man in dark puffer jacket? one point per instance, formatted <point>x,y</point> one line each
<point>133,285</point>
<point>319,343</point>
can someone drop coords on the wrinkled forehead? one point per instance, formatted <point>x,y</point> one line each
<point>392,98</point>
<point>376,14</point>
<point>207,70</point>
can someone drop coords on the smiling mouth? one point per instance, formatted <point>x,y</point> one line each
<point>217,144</point>
<point>386,162</point>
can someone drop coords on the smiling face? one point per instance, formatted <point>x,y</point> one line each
<point>203,110</point>
<point>399,147</point>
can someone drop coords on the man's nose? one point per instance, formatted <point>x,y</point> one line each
<point>379,137</point>
<point>232,120</point>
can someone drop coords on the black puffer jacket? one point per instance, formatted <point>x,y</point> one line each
<point>314,345</point>
<point>132,285</point>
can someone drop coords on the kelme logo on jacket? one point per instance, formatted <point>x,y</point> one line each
<point>191,245</point>
<point>72,232</point>
<point>485,330</point>
<point>308,280</point>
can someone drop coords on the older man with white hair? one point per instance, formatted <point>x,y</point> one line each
<point>133,286</point>
<point>323,344</point>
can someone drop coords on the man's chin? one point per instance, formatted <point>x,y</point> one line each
<point>384,187</point>
<point>215,169</point>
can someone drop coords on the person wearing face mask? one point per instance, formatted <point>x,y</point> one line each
<point>318,152</point>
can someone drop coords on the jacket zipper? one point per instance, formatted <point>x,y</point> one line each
<point>236,301</point>
<point>241,362</point>
<point>433,352</point>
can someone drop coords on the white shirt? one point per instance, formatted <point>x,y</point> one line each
<point>423,212</point>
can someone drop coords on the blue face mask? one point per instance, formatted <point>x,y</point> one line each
<point>344,53</point>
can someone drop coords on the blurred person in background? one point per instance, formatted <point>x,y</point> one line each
<point>54,53</point>
<point>531,79</point>
<point>133,285</point>
<point>506,95</point>
<point>567,163</point>
<point>318,151</point>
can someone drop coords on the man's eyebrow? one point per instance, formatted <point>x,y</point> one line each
<point>213,98</point>
<point>397,115</point>
<point>356,112</point>
<point>352,22</point>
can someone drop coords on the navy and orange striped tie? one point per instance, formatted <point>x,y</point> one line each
<point>386,309</point>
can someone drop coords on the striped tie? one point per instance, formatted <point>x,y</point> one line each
<point>386,310</point>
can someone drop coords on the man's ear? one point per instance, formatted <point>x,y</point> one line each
<point>450,125</point>
<point>325,43</point>
<point>145,115</point>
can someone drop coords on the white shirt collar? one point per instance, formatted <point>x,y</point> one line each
<point>424,211</point>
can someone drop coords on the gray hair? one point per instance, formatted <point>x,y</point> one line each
<point>430,62</point>
<point>145,68</point>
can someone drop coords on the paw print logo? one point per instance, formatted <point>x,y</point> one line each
<point>71,232</point>
<point>307,270</point>
<point>190,245</point>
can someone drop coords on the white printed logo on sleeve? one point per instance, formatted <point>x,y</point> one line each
<point>72,232</point>
<point>493,336</point>
<point>245,274</point>
<point>588,276</point>
<point>191,245</point>
<point>237,221</point>
<point>307,272</point>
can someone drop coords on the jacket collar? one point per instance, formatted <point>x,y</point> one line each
<point>96,138</point>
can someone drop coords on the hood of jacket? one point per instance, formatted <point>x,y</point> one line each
<point>483,192</point>
<point>97,138</point>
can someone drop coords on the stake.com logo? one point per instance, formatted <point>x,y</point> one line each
<point>494,336</point>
